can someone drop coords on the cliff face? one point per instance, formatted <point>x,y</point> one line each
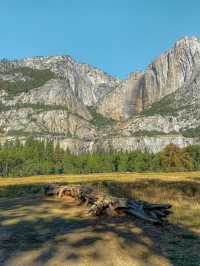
<point>37,102</point>
<point>58,98</point>
<point>88,84</point>
<point>164,76</point>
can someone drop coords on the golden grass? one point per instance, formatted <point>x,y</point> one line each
<point>116,177</point>
<point>181,189</point>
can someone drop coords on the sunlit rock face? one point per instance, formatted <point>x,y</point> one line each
<point>60,104</point>
<point>164,76</point>
<point>89,84</point>
<point>85,109</point>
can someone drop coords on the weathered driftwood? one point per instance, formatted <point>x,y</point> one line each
<point>100,202</point>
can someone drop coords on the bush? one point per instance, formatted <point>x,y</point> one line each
<point>175,158</point>
<point>191,132</point>
<point>100,120</point>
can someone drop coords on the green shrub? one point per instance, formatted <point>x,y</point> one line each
<point>191,132</point>
<point>162,107</point>
<point>100,120</point>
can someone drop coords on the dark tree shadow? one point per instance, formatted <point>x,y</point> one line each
<point>38,231</point>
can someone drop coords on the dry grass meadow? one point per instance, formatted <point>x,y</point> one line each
<point>35,230</point>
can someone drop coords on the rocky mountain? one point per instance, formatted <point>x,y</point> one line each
<point>162,77</point>
<point>86,109</point>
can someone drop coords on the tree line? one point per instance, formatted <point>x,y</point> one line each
<point>36,157</point>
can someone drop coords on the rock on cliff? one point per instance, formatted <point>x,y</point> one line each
<point>86,109</point>
<point>162,77</point>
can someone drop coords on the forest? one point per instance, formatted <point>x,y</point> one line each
<point>36,157</point>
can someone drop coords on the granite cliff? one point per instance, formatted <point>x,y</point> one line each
<point>86,109</point>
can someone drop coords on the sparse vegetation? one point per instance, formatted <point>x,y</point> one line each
<point>100,120</point>
<point>35,106</point>
<point>152,133</point>
<point>22,133</point>
<point>191,132</point>
<point>162,107</point>
<point>33,78</point>
<point>167,106</point>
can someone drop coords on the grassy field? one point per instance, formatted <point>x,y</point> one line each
<point>35,230</point>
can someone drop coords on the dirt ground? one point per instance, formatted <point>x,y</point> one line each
<point>43,231</point>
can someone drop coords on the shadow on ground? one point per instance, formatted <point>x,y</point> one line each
<point>38,231</point>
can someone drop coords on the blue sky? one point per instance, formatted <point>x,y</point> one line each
<point>118,36</point>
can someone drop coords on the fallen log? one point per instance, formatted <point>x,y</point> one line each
<point>99,202</point>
